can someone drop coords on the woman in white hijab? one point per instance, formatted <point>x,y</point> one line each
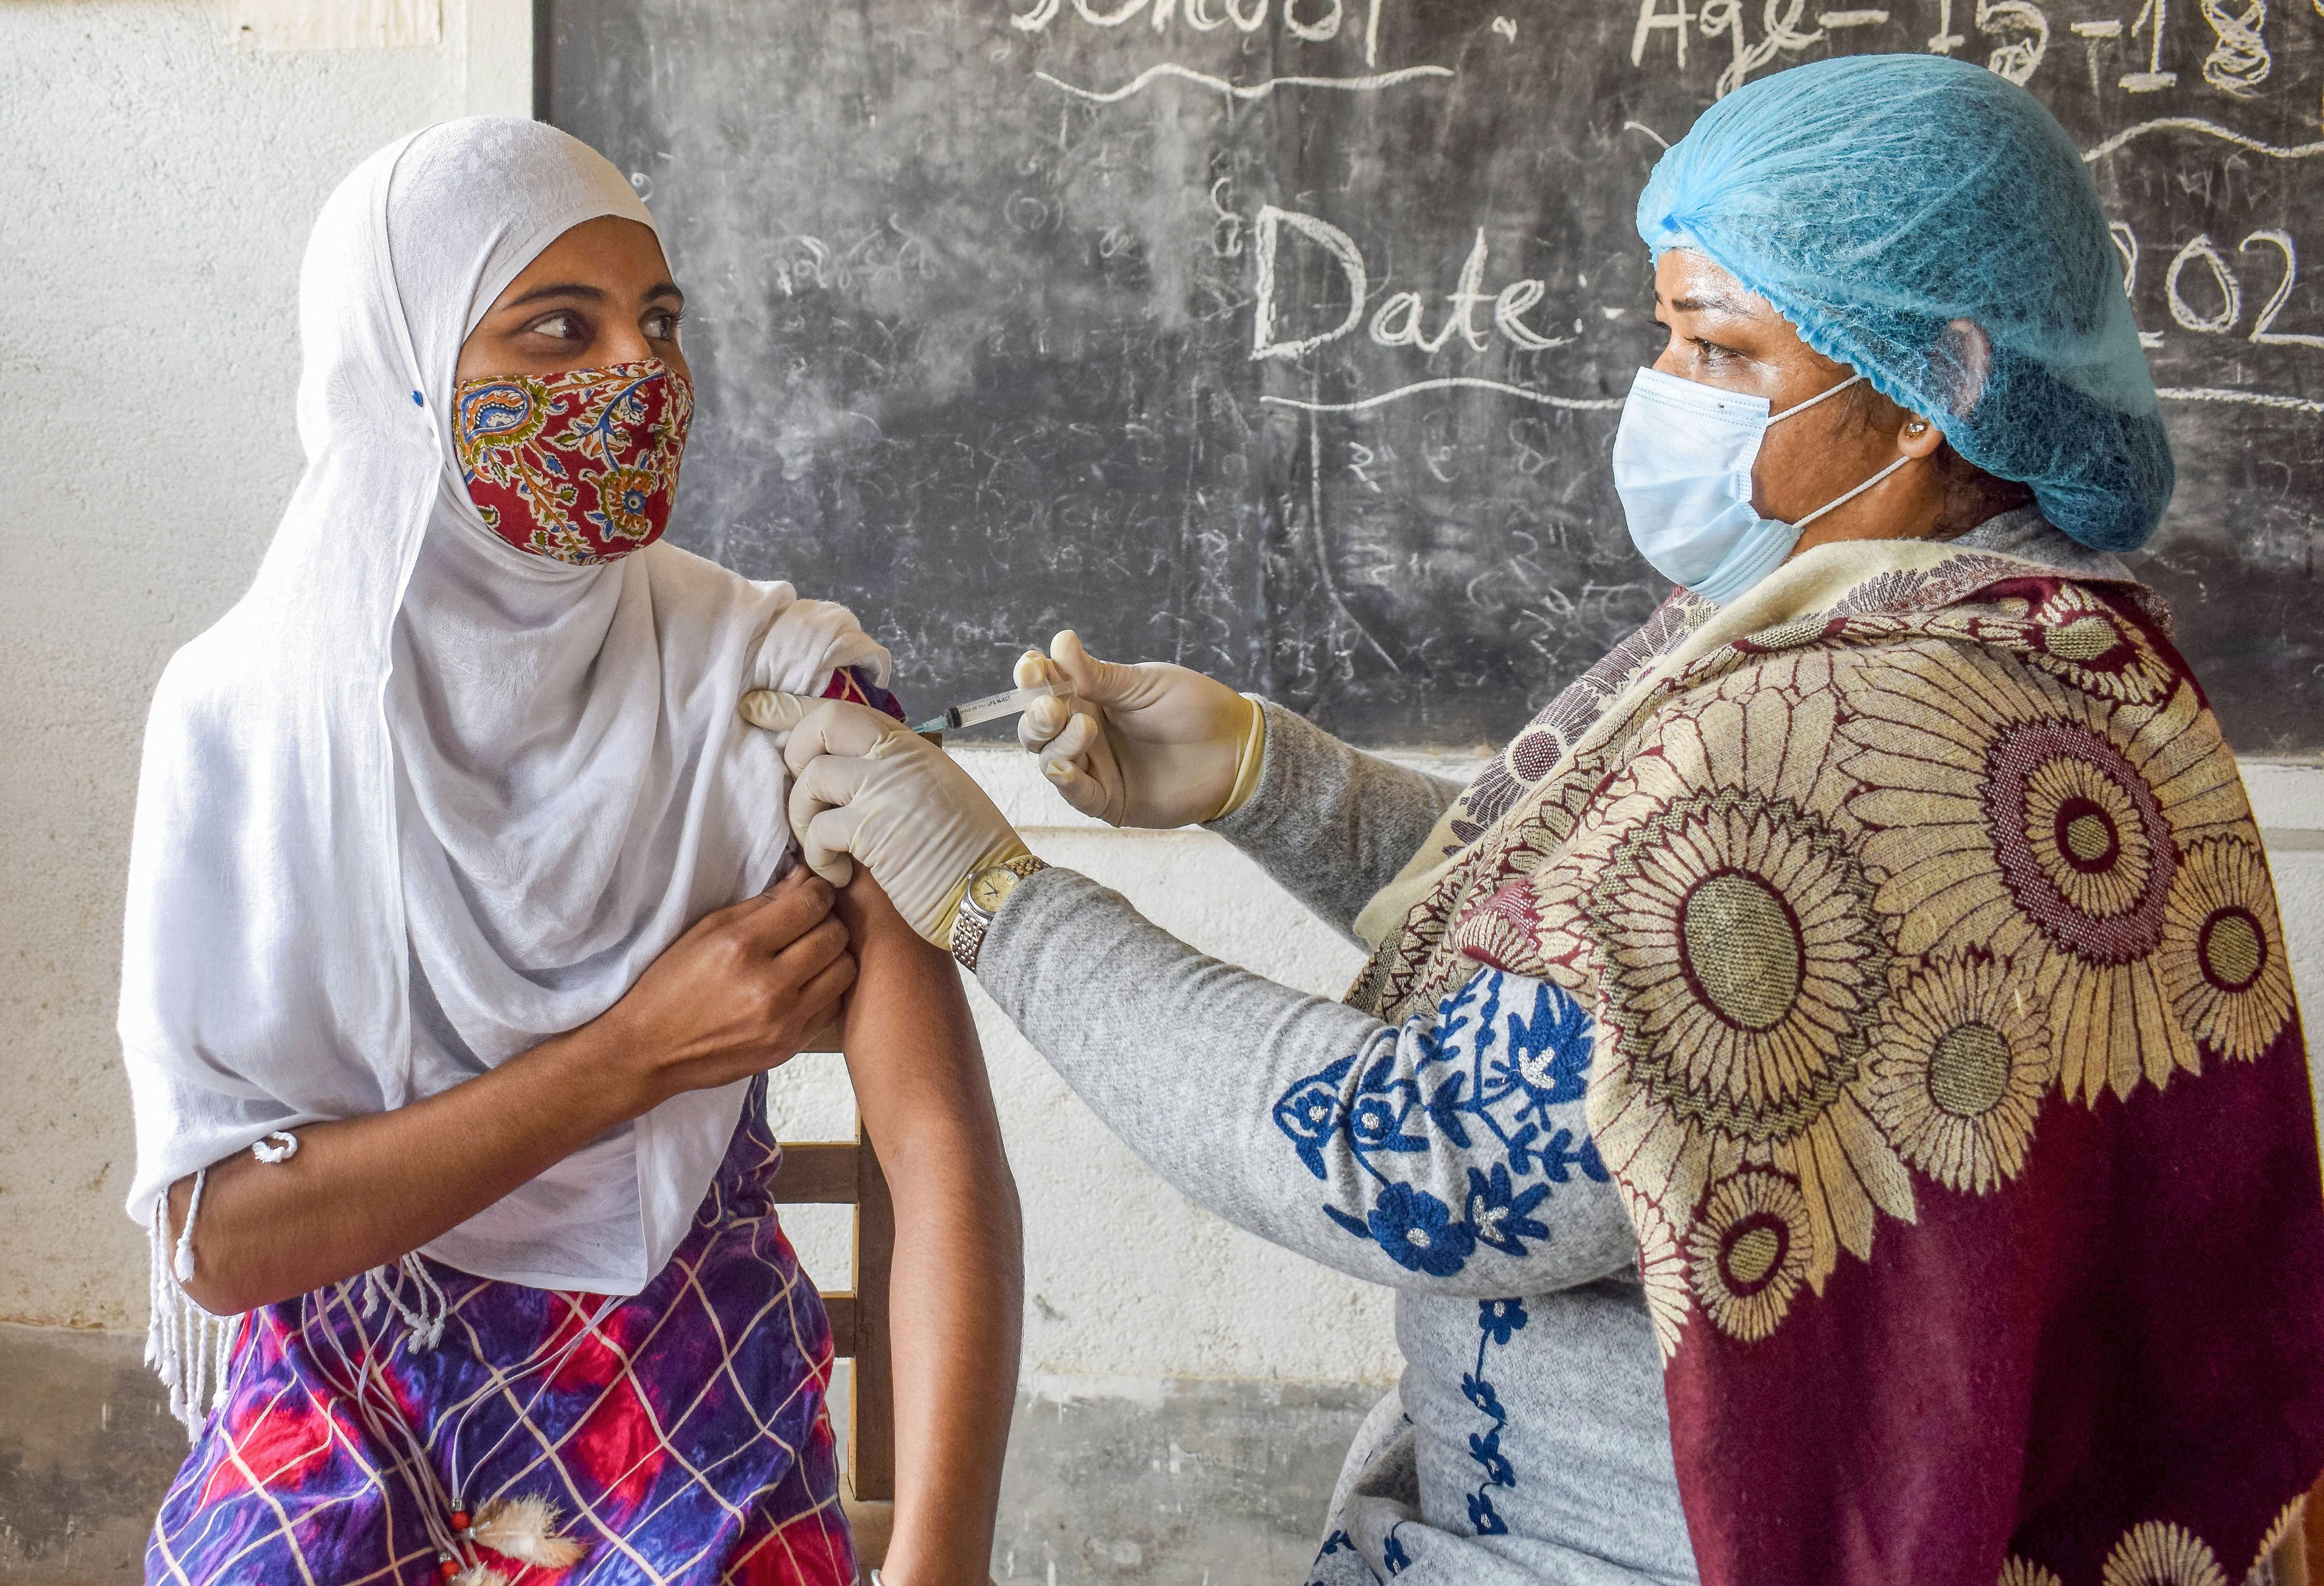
<point>455,954</point>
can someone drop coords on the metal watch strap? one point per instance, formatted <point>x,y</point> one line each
<point>969,922</point>
<point>967,936</point>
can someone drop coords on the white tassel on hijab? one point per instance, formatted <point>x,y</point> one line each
<point>420,800</point>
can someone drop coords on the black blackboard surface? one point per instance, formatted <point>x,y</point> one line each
<point>1012,314</point>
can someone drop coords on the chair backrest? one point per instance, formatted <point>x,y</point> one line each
<point>846,1173</point>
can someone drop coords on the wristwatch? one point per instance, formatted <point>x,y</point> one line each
<point>988,888</point>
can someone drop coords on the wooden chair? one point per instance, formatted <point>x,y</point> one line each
<point>846,1173</point>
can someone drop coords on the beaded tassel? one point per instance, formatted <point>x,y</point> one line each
<point>189,1348</point>
<point>525,1529</point>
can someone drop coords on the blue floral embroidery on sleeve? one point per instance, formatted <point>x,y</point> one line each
<point>1477,1077</point>
<point>1419,1232</point>
<point>1498,1212</point>
<point>1498,1322</point>
<point>1501,1321</point>
<point>1339,1541</point>
<point>1392,1554</point>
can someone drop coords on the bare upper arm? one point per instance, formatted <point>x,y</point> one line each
<point>911,1044</point>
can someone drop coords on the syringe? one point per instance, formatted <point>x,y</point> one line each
<point>991,707</point>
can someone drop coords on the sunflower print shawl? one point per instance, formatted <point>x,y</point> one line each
<point>1946,1059</point>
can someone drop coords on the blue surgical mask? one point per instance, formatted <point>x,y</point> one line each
<point>1682,462</point>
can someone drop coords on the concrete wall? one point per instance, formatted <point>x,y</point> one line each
<point>160,184</point>
<point>159,187</point>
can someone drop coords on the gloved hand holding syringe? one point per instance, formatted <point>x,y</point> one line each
<point>1146,744</point>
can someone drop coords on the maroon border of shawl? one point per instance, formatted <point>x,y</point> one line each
<point>2134,1332</point>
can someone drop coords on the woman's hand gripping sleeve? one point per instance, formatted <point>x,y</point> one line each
<point>1448,1154</point>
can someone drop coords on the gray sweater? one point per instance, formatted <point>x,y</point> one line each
<point>1449,1158</point>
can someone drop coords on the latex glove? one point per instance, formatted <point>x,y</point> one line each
<point>1147,745</point>
<point>865,789</point>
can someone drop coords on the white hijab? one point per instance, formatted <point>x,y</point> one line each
<point>421,800</point>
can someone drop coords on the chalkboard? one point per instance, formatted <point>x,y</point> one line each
<point>1286,338</point>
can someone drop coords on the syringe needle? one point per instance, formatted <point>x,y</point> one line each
<point>990,707</point>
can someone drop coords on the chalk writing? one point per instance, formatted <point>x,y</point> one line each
<point>2231,306</point>
<point>1944,41</point>
<point>1653,20</point>
<point>2210,129</point>
<point>2224,286</point>
<point>1450,383</point>
<point>1367,84</point>
<point>2261,333</point>
<point>1343,251</point>
<point>1781,34</point>
<point>2257,399</point>
<point>1323,557</point>
<point>1249,16</point>
<point>2025,34</point>
<point>2153,17</point>
<point>1401,320</point>
<point>2126,243</point>
<point>2239,62</point>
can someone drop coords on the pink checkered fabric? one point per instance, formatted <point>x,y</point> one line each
<point>681,1433</point>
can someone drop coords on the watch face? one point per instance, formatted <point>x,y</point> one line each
<point>989,887</point>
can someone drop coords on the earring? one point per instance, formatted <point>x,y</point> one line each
<point>1916,427</point>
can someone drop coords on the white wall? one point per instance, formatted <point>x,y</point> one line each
<point>2289,802</point>
<point>160,189</point>
<point>157,193</point>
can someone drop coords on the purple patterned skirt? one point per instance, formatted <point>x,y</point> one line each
<point>680,1433</point>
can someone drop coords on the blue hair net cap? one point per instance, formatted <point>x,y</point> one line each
<point>1931,225</point>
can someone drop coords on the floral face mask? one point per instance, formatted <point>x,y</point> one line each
<point>580,467</point>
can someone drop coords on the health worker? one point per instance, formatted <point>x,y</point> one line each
<point>1829,1096</point>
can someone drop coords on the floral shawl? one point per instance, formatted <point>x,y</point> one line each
<point>1946,1059</point>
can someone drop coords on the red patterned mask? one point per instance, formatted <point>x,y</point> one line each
<point>581,467</point>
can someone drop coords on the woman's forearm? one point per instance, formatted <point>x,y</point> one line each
<point>955,1303</point>
<point>362,1192</point>
<point>734,995</point>
<point>1332,824</point>
<point>956,1284</point>
<point>1290,1115</point>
